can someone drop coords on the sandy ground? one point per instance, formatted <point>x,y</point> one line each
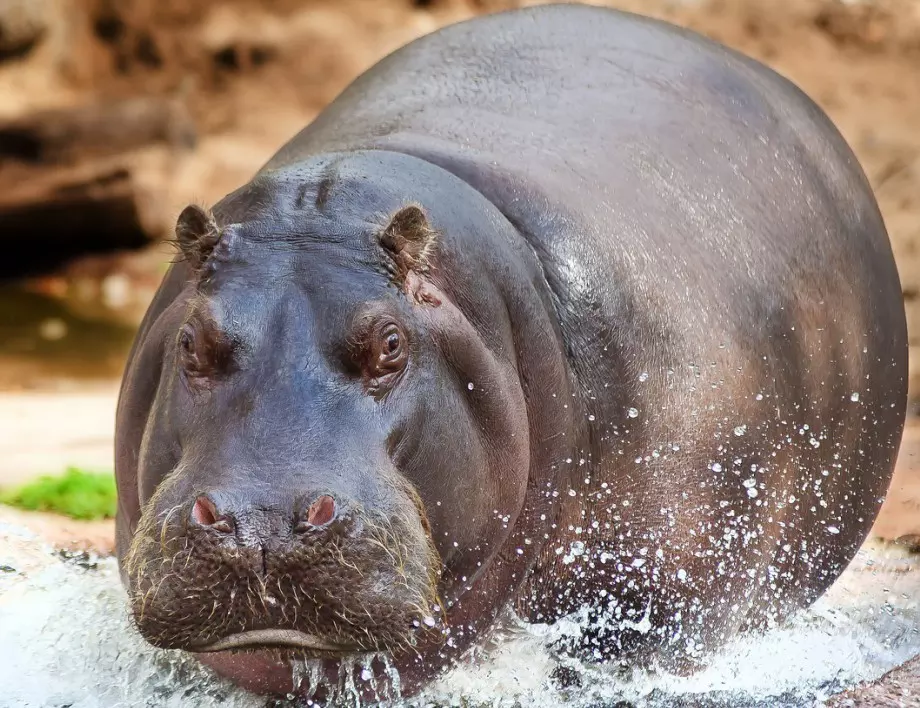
<point>45,431</point>
<point>900,515</point>
<point>61,532</point>
<point>899,688</point>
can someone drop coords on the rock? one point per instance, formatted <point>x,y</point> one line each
<point>68,182</point>
<point>99,128</point>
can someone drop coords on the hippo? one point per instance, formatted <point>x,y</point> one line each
<point>560,311</point>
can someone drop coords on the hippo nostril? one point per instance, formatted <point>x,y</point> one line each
<point>321,511</point>
<point>205,513</point>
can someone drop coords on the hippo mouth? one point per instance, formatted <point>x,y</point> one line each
<point>275,639</point>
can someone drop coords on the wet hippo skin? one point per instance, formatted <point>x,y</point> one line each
<point>561,308</point>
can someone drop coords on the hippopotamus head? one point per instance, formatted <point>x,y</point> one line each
<point>325,442</point>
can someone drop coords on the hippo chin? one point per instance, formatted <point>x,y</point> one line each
<point>564,309</point>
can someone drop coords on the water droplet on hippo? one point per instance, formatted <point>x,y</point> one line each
<point>833,530</point>
<point>740,430</point>
<point>571,492</point>
<point>814,443</point>
<point>591,417</point>
<point>749,483</point>
<point>716,467</point>
<point>643,376</point>
<point>854,397</point>
<point>758,397</point>
<point>632,413</point>
<point>429,621</point>
<point>752,492</point>
<point>681,574</point>
<point>366,675</point>
<point>470,386</point>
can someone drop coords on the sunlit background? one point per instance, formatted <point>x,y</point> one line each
<point>114,114</point>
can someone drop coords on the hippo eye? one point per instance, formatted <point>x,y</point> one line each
<point>187,343</point>
<point>391,356</point>
<point>379,354</point>
<point>393,343</point>
<point>188,352</point>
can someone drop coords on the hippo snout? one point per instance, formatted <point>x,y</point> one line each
<point>315,574</point>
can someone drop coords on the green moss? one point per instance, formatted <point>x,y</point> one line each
<point>77,493</point>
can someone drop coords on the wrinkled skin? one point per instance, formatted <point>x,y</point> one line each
<point>649,362</point>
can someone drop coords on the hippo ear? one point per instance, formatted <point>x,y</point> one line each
<point>408,240</point>
<point>197,234</point>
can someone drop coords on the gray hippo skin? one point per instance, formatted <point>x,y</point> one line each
<point>562,308</point>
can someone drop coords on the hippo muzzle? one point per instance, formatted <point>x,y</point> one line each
<point>311,574</point>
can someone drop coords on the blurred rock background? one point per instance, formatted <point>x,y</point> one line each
<point>116,113</point>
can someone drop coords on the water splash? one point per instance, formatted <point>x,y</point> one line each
<point>68,640</point>
<point>308,676</point>
<point>866,624</point>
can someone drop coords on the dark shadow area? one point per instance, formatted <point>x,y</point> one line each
<point>73,221</point>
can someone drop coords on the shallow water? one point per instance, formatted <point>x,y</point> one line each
<point>66,640</point>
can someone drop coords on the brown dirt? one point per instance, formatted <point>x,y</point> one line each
<point>899,519</point>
